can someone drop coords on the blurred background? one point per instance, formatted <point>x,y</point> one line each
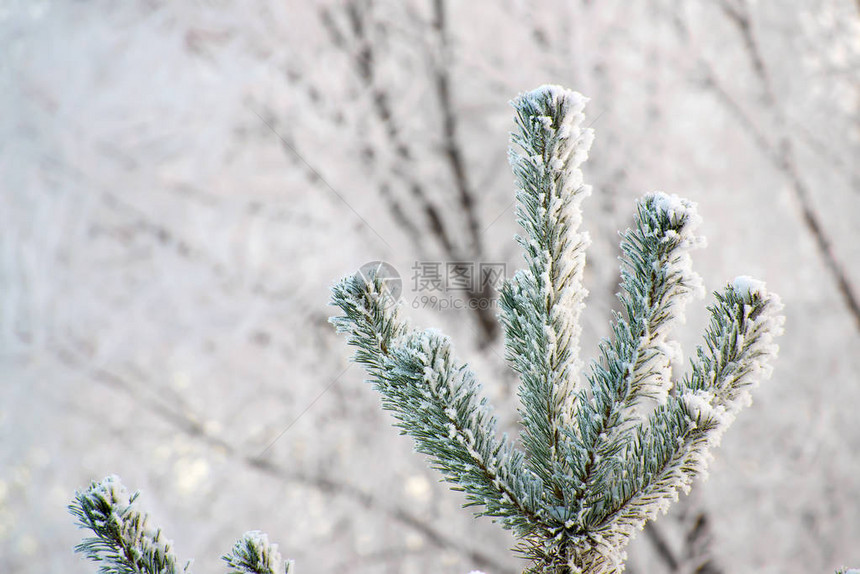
<point>182,182</point>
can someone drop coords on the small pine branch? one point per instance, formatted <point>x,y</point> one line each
<point>253,554</point>
<point>635,365</point>
<point>123,541</point>
<point>634,485</point>
<point>602,458</point>
<point>540,306</point>
<point>739,346</point>
<point>671,448</point>
<point>437,402</point>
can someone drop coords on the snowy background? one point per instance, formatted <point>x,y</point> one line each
<point>182,182</point>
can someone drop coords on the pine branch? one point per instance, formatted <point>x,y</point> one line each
<point>123,542</point>
<point>253,554</point>
<point>437,402</point>
<point>600,460</point>
<point>671,448</point>
<point>541,304</point>
<point>739,346</point>
<point>635,365</point>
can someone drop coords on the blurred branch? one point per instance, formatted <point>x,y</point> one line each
<point>655,536</point>
<point>698,545</point>
<point>738,15</point>
<point>454,155</point>
<point>363,57</point>
<point>356,40</point>
<point>694,555</point>
<point>851,172</point>
<point>380,557</point>
<point>314,173</point>
<point>780,151</point>
<point>453,151</point>
<point>143,223</point>
<point>784,159</point>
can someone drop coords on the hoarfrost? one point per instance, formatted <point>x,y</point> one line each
<point>672,205</point>
<point>747,286</point>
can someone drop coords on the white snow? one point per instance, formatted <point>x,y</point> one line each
<point>558,94</point>
<point>676,207</point>
<point>701,403</point>
<point>673,205</point>
<point>747,286</point>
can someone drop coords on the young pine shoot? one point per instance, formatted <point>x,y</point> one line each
<point>601,451</point>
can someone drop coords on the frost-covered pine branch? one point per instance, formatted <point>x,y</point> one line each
<point>541,304</point>
<point>436,401</point>
<point>125,543</point>
<point>254,555</point>
<point>599,458</point>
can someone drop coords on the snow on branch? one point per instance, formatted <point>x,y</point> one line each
<point>656,282</point>
<point>739,346</point>
<point>541,304</point>
<point>253,554</point>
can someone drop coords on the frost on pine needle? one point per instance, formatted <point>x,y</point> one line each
<point>604,449</point>
<point>124,543</point>
<point>747,286</point>
<point>436,401</point>
<point>540,306</point>
<point>253,554</point>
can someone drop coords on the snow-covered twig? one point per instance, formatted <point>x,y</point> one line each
<point>123,543</point>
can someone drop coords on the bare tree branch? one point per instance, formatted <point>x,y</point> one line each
<point>364,57</point>
<point>453,152</point>
<point>784,156</point>
<point>698,545</point>
<point>655,536</point>
<point>780,151</point>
